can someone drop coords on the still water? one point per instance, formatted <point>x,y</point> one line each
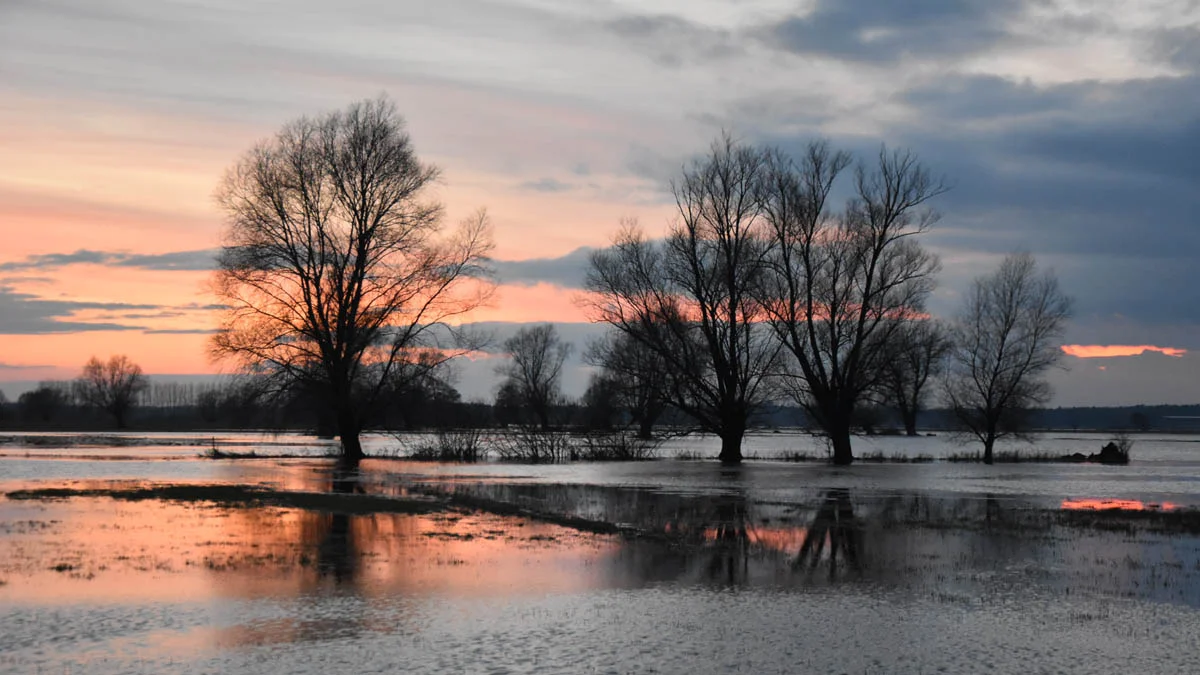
<point>773,567</point>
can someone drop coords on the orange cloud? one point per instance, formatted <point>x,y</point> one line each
<point>1115,504</point>
<point>1109,351</point>
<point>540,302</point>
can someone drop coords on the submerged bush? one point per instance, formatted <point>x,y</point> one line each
<point>454,445</point>
<point>1006,457</point>
<point>615,447</point>
<point>532,444</point>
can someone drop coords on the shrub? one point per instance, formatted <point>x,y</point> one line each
<point>615,447</point>
<point>453,445</point>
<point>531,444</point>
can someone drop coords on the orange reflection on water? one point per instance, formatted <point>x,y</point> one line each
<point>100,549</point>
<point>1115,504</point>
<point>781,539</point>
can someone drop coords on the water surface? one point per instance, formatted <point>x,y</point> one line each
<point>769,567</point>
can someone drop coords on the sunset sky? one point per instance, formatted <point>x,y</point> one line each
<point>1067,128</point>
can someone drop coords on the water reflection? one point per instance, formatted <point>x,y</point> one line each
<point>834,528</point>
<point>963,546</point>
<point>337,555</point>
<point>927,544</point>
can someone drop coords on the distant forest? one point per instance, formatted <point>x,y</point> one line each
<point>171,406</point>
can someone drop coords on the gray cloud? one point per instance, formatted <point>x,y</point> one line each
<point>566,271</point>
<point>546,185</point>
<point>1150,378</point>
<point>176,261</point>
<point>24,314</point>
<point>865,30</point>
<point>12,367</point>
<point>27,314</point>
<point>672,40</point>
<point>1103,194</point>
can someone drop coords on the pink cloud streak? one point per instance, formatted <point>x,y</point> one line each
<point>1110,351</point>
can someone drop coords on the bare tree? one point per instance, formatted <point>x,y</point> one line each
<point>915,354</point>
<point>534,370</point>
<point>690,299</point>
<point>634,375</point>
<point>336,268</point>
<point>842,284</point>
<point>112,386</point>
<point>1006,336</point>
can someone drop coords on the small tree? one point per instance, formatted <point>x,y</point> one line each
<point>336,272</point>
<point>915,354</point>
<point>111,386</point>
<point>534,370</point>
<point>632,377</point>
<point>1007,335</point>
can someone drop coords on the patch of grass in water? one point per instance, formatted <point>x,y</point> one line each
<point>870,457</point>
<point>1007,457</point>
<point>216,453</point>
<point>797,456</point>
<point>879,457</point>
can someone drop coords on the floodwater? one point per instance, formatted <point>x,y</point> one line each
<point>769,567</point>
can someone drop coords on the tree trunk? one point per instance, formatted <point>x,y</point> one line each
<point>731,446</point>
<point>987,449</point>
<point>646,429</point>
<point>352,452</point>
<point>910,422</point>
<point>840,438</point>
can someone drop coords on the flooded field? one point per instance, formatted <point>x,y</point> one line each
<point>141,556</point>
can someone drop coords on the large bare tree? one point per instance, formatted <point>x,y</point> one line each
<point>1007,335</point>
<point>841,284</point>
<point>533,372</point>
<point>112,386</point>
<point>338,274</point>
<point>690,300</point>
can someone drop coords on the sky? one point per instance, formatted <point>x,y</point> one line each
<point>1066,128</point>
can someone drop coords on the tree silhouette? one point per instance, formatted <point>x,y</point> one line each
<point>112,386</point>
<point>534,369</point>
<point>336,270</point>
<point>689,300</point>
<point>1006,336</point>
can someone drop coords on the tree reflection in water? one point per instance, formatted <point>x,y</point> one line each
<point>834,527</point>
<point>337,553</point>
